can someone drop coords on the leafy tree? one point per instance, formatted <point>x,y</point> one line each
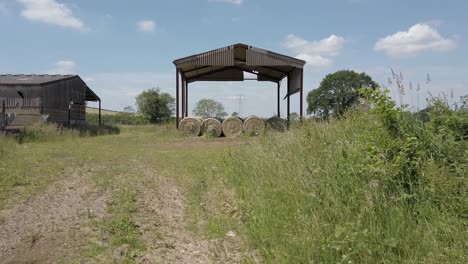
<point>337,92</point>
<point>129,109</point>
<point>209,108</point>
<point>155,105</point>
<point>234,114</point>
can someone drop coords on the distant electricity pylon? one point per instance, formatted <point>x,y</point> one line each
<point>240,99</point>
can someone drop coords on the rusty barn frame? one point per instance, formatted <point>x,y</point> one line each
<point>230,63</point>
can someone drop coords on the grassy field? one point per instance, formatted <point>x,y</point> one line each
<point>375,187</point>
<point>124,172</point>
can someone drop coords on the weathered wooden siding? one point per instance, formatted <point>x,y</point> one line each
<point>50,99</point>
<point>56,99</point>
<point>13,100</point>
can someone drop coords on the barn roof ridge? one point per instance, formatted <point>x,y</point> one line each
<point>33,79</point>
<point>265,52</point>
<point>14,80</point>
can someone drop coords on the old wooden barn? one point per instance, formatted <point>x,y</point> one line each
<point>28,99</point>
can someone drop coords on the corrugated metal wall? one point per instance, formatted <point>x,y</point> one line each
<point>57,97</point>
<point>52,99</point>
<point>20,97</point>
<point>294,81</point>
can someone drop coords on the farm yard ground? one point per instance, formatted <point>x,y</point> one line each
<point>145,195</point>
<point>372,187</point>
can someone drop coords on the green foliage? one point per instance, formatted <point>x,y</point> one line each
<point>209,108</point>
<point>234,114</point>
<point>129,109</point>
<point>337,93</point>
<point>52,132</point>
<point>368,188</point>
<point>156,106</point>
<point>446,121</point>
<point>118,119</point>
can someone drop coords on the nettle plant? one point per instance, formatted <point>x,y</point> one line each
<point>409,138</point>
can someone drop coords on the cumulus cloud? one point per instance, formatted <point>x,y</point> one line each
<point>50,12</point>
<point>418,38</point>
<point>316,53</point>
<point>234,2</point>
<point>64,67</point>
<point>147,26</point>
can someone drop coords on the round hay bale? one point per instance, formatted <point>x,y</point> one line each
<point>212,127</point>
<point>254,125</point>
<point>232,126</point>
<point>277,123</point>
<point>191,126</point>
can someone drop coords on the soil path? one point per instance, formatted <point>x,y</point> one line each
<point>162,219</point>
<point>51,226</point>
<point>54,226</point>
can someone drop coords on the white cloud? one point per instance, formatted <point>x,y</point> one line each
<point>234,2</point>
<point>316,53</point>
<point>64,67</point>
<point>50,12</point>
<point>147,26</point>
<point>418,38</point>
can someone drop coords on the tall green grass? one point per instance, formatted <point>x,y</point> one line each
<point>52,132</point>
<point>118,119</point>
<point>378,186</point>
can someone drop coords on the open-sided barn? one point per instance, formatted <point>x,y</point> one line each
<point>26,99</point>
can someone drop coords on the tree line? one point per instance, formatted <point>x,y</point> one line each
<point>336,93</point>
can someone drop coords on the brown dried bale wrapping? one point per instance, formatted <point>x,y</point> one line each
<point>254,125</point>
<point>212,127</point>
<point>232,126</point>
<point>191,126</point>
<point>277,123</point>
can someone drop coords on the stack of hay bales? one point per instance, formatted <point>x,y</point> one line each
<point>277,123</point>
<point>212,127</point>
<point>253,125</point>
<point>231,127</point>
<point>191,126</point>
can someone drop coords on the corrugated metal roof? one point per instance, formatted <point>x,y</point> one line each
<point>31,79</point>
<point>42,79</point>
<point>214,65</point>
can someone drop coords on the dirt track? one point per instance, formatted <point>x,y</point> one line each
<point>51,227</point>
<point>58,224</point>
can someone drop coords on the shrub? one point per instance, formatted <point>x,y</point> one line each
<point>117,119</point>
<point>378,186</point>
<point>49,132</point>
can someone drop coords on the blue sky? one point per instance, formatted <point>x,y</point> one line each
<point>123,47</point>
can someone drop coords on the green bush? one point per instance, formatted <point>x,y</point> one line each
<point>118,119</point>
<point>378,186</point>
<point>50,132</point>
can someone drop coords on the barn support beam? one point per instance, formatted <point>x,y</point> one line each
<point>4,115</point>
<point>183,97</point>
<point>186,99</point>
<point>177,98</point>
<point>278,99</point>
<point>301,104</point>
<point>288,113</point>
<point>99,112</point>
<point>289,110</point>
